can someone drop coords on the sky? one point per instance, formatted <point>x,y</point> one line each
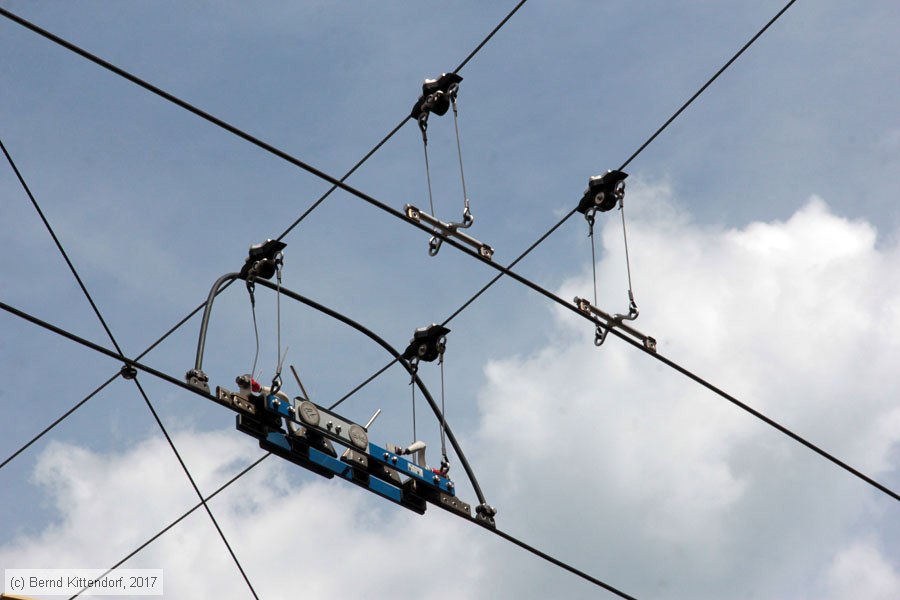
<point>763,237</point>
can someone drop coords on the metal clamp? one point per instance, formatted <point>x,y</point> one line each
<point>611,321</point>
<point>447,230</point>
<point>603,193</point>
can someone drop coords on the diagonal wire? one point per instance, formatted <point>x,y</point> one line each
<point>59,245</point>
<point>322,198</point>
<point>502,534</point>
<point>58,421</point>
<point>111,379</point>
<point>489,36</point>
<point>180,519</point>
<point>503,270</point>
<point>156,373</point>
<point>497,277</point>
<point>707,84</point>
<point>336,183</point>
<point>119,350</point>
<point>364,383</point>
<point>167,96</point>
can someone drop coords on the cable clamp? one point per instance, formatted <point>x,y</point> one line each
<point>603,193</point>
<point>263,260</point>
<point>427,344</point>
<point>198,379</point>
<point>446,230</point>
<point>605,321</point>
<point>436,96</point>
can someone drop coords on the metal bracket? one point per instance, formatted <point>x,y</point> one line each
<point>603,192</point>
<point>447,229</point>
<point>436,94</point>
<point>427,343</point>
<point>196,378</point>
<point>262,260</point>
<point>613,321</point>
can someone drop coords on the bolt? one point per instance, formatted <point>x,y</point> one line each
<point>337,429</point>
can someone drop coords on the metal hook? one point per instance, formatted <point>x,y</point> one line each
<point>633,311</point>
<point>468,218</point>
<point>276,384</point>
<point>600,335</point>
<point>590,215</point>
<point>423,125</point>
<point>434,245</point>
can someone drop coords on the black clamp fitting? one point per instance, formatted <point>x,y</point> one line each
<point>198,379</point>
<point>603,193</point>
<point>128,372</point>
<point>262,260</point>
<point>436,97</point>
<point>485,513</point>
<point>427,343</point>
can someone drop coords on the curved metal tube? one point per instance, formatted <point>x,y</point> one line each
<point>207,310</point>
<point>201,343</point>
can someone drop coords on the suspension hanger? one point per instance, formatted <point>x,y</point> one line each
<point>428,344</point>
<point>604,193</point>
<point>438,96</point>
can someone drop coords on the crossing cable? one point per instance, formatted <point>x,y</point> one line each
<point>614,331</point>
<point>243,472</point>
<point>632,157</point>
<point>59,420</point>
<point>80,403</point>
<point>378,204</point>
<point>706,85</point>
<point>502,534</point>
<point>118,348</point>
<point>503,270</point>
<point>177,382</point>
<point>224,124</point>
<point>171,98</point>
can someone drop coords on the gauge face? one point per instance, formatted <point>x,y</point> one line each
<point>359,437</point>
<point>308,413</point>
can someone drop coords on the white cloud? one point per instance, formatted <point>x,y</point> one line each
<point>666,488</point>
<point>861,571</point>
<point>312,538</point>
<point>601,457</point>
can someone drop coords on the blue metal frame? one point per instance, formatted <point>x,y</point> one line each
<point>380,455</point>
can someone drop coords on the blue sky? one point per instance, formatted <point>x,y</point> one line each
<point>763,230</point>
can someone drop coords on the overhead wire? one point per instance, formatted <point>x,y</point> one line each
<point>451,241</point>
<point>80,403</point>
<point>338,183</point>
<point>188,513</point>
<point>118,348</point>
<point>71,47</point>
<point>177,382</point>
<point>59,420</point>
<point>502,534</point>
<point>706,85</point>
